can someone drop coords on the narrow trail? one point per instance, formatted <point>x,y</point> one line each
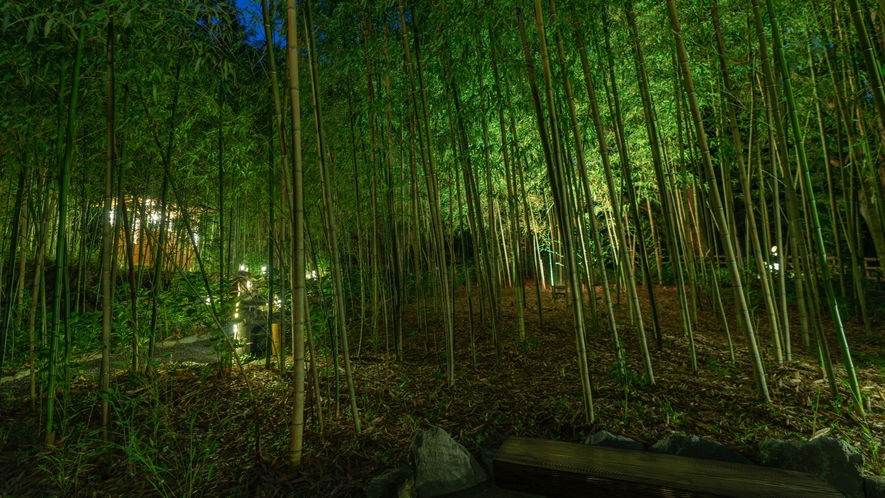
<point>195,349</point>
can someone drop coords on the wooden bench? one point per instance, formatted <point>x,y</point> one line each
<point>559,290</point>
<point>554,468</point>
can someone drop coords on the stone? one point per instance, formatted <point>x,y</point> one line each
<point>442,465</point>
<point>394,483</point>
<point>833,460</point>
<point>695,447</point>
<point>874,487</point>
<point>609,440</point>
<point>487,457</point>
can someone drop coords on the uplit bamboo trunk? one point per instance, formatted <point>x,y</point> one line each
<point>585,184</point>
<point>716,205</point>
<point>563,205</point>
<point>657,162</point>
<point>331,231</point>
<point>812,203</point>
<point>845,120</point>
<point>732,106</point>
<point>515,231</point>
<point>296,198</point>
<point>61,263</point>
<point>632,201</point>
<point>107,304</point>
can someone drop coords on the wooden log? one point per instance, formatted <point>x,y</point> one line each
<point>555,468</point>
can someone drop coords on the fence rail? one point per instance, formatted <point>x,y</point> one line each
<point>872,267</point>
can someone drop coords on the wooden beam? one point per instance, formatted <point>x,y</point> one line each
<point>555,468</point>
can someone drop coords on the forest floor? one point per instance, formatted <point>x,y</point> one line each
<point>190,429</point>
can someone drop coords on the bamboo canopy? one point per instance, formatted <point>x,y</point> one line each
<point>418,179</point>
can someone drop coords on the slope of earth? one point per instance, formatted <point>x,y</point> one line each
<point>192,430</point>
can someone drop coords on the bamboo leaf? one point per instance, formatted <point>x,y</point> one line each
<point>127,19</point>
<point>31,27</point>
<point>48,28</point>
<point>5,20</point>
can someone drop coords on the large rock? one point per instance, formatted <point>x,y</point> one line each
<point>874,487</point>
<point>442,465</point>
<point>609,440</point>
<point>395,483</point>
<point>695,447</point>
<point>834,460</point>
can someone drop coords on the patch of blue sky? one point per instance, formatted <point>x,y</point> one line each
<point>253,20</point>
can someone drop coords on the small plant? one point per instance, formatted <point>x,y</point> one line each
<point>729,370</point>
<point>530,344</point>
<point>672,416</point>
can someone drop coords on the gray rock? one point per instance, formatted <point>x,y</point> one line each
<point>395,483</point>
<point>442,465</point>
<point>874,487</point>
<point>695,447</point>
<point>487,457</point>
<point>833,460</point>
<point>609,440</point>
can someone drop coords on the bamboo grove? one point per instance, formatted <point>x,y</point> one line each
<point>380,158</point>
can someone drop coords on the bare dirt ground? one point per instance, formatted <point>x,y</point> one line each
<point>191,430</point>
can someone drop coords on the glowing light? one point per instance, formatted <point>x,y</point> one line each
<point>248,284</point>
<point>312,275</point>
<point>243,268</point>
<point>263,269</point>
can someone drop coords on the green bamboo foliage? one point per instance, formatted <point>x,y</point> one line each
<point>474,168</point>
<point>873,66</point>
